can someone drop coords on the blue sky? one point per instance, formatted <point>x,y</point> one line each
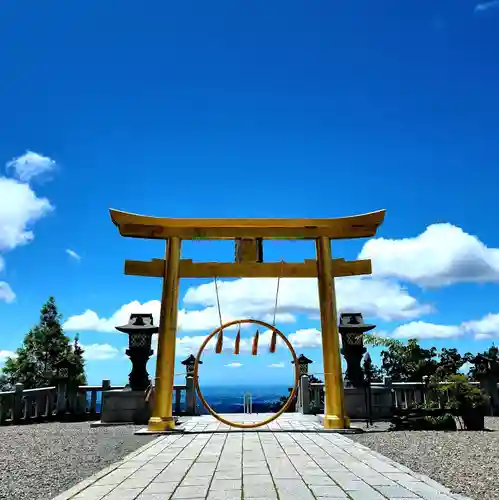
<point>253,109</point>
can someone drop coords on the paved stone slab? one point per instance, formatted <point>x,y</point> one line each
<point>257,465</point>
<point>287,422</point>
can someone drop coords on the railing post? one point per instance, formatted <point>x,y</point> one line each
<point>51,403</point>
<point>17,408</point>
<point>81,401</point>
<point>298,405</point>
<point>387,383</point>
<point>93,402</point>
<point>72,394</point>
<point>47,410</point>
<point>178,395</point>
<point>190,396</point>
<point>39,404</point>
<point>305,394</point>
<point>2,409</point>
<point>62,403</point>
<point>190,390</point>
<point>106,386</point>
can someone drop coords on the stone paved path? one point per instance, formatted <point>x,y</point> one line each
<point>286,422</point>
<point>257,465</point>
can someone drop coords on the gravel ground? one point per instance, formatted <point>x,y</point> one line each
<point>466,462</point>
<point>39,461</point>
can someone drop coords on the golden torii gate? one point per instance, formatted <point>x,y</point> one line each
<point>248,235</point>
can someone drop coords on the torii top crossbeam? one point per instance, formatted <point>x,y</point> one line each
<point>141,226</point>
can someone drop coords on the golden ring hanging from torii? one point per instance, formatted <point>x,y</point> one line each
<point>254,348</point>
<point>248,235</point>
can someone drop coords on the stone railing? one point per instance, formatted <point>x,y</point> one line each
<point>45,403</point>
<point>316,396</point>
<point>22,405</point>
<point>408,394</point>
<point>180,408</point>
<point>51,403</point>
<point>385,397</point>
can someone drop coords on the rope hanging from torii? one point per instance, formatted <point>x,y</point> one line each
<point>254,348</point>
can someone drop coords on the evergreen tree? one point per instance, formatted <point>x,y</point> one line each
<point>43,346</point>
<point>409,362</point>
<point>450,363</point>
<point>76,356</point>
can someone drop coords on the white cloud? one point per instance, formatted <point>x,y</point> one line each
<point>442,255</point>
<point>252,297</point>
<point>277,365</point>
<point>73,254</point>
<point>306,338</point>
<point>30,165</point>
<point>19,209</point>
<point>6,293</point>
<point>4,354</point>
<point>89,320</point>
<point>99,352</point>
<point>485,6</point>
<point>481,329</point>
<point>485,328</point>
<point>422,330</point>
<point>234,365</point>
<point>197,320</point>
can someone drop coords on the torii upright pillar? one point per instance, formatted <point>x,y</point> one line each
<point>162,414</point>
<point>334,402</point>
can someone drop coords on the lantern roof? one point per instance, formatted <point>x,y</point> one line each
<point>139,322</point>
<point>190,360</point>
<point>302,360</point>
<point>353,322</point>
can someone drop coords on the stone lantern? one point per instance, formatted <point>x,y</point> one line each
<point>140,330</point>
<point>189,363</point>
<point>352,329</point>
<point>303,363</point>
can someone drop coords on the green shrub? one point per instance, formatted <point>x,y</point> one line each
<point>457,393</point>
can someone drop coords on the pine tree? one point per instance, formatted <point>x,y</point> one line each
<point>43,346</point>
<point>77,358</point>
